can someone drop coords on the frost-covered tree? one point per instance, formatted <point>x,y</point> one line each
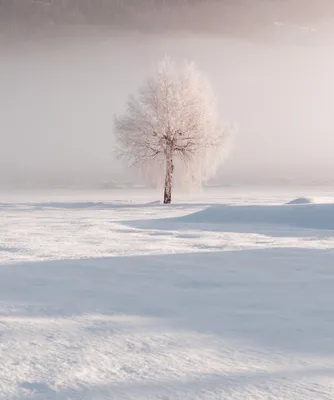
<point>172,121</point>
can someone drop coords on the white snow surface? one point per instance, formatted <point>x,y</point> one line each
<point>229,296</point>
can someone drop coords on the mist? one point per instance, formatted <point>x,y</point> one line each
<point>59,94</point>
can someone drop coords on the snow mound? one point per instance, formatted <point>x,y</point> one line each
<point>301,200</point>
<point>313,216</point>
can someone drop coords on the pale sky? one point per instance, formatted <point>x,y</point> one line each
<point>58,98</point>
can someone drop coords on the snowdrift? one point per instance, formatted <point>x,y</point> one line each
<point>301,200</point>
<point>313,216</point>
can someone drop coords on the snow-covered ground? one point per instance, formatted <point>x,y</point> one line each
<point>102,297</point>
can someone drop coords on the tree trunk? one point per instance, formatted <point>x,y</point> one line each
<point>169,177</point>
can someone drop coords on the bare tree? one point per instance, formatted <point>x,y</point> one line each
<point>172,119</point>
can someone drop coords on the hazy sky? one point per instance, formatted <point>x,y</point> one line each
<point>58,98</point>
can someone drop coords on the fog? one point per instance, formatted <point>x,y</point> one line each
<point>58,96</point>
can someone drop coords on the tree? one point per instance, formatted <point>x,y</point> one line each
<point>172,120</point>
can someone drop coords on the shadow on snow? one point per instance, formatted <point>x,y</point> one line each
<point>276,298</point>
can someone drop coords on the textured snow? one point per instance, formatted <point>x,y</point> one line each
<point>106,299</point>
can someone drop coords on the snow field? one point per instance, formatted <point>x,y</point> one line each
<point>106,300</point>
